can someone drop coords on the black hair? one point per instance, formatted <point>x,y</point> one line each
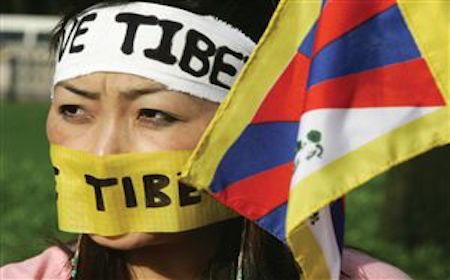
<point>264,257</point>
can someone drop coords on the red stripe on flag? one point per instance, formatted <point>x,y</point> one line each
<point>256,196</point>
<point>341,16</point>
<point>284,101</point>
<point>404,84</point>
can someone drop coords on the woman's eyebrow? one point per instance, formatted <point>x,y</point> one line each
<point>134,93</point>
<point>81,92</point>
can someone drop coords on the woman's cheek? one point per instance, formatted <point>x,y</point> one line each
<point>55,131</point>
<point>145,139</point>
<point>60,132</point>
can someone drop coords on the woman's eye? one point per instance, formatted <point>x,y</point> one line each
<point>73,112</point>
<point>156,117</point>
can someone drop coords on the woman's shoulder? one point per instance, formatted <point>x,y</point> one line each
<point>52,264</point>
<point>357,265</point>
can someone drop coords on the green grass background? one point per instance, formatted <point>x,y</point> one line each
<point>27,201</point>
<point>28,215</point>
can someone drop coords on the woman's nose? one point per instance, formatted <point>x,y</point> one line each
<point>108,137</point>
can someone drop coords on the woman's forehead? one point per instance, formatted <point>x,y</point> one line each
<point>128,87</point>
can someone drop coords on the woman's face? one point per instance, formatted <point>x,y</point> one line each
<point>111,113</point>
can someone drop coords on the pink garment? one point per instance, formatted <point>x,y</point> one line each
<point>53,264</point>
<point>356,265</point>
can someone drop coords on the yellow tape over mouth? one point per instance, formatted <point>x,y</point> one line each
<point>118,194</point>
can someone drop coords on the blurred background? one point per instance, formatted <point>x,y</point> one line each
<point>402,216</point>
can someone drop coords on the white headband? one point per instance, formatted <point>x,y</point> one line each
<point>199,55</point>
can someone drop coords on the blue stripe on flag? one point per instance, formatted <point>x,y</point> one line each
<point>260,147</point>
<point>383,40</point>
<point>338,217</point>
<point>275,221</point>
<point>307,45</point>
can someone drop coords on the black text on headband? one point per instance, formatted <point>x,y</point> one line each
<point>198,46</point>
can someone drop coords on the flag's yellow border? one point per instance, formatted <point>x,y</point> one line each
<point>432,36</point>
<point>308,253</point>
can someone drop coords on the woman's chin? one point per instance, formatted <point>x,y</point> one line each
<point>132,241</point>
<point>129,241</point>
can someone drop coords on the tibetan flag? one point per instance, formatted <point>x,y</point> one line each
<point>335,93</point>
